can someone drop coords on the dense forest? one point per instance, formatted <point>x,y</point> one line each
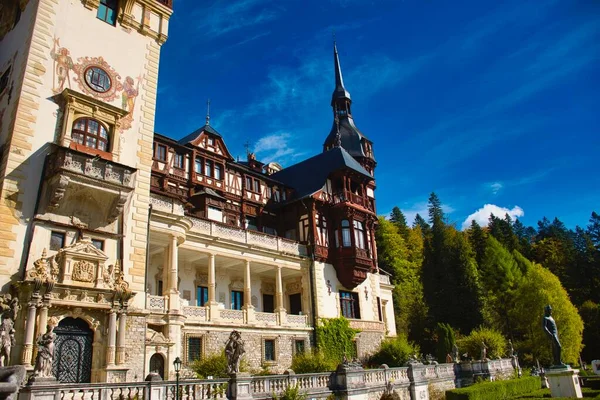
<point>495,278</point>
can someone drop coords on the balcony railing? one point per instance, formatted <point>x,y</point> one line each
<point>229,232</point>
<point>200,314</point>
<point>65,159</point>
<point>385,279</point>
<point>349,197</point>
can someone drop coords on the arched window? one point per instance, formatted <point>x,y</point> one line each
<point>346,241</point>
<point>90,133</point>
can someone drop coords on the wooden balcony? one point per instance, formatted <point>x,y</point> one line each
<point>352,265</point>
<point>347,197</point>
<point>168,3</point>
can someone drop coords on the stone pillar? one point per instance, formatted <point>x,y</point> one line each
<point>29,331</point>
<point>350,383</point>
<point>173,275</point>
<point>112,338</point>
<point>564,382</point>
<point>121,338</point>
<point>419,386</point>
<point>213,309</point>
<point>248,307</point>
<point>279,310</point>
<point>239,387</point>
<point>42,325</point>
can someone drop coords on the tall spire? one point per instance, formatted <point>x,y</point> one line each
<point>208,112</point>
<point>340,91</point>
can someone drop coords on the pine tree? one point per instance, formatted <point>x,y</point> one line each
<point>436,214</point>
<point>593,229</point>
<point>399,220</point>
<point>420,222</point>
<point>477,238</point>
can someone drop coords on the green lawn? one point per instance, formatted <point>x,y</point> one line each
<point>545,394</point>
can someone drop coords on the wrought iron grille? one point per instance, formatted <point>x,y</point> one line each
<point>73,351</point>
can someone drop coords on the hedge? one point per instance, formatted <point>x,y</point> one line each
<point>495,390</point>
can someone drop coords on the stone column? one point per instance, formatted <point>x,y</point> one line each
<point>29,331</point>
<point>173,276</point>
<point>121,338</point>
<point>43,320</point>
<point>112,338</point>
<point>213,306</point>
<point>248,307</point>
<point>279,297</point>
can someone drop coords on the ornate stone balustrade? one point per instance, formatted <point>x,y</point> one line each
<point>268,318</point>
<point>195,313</point>
<point>385,279</point>
<point>411,382</point>
<point>236,316</point>
<point>166,204</point>
<point>249,237</point>
<point>157,303</point>
<point>66,159</point>
<point>297,320</point>
<point>367,325</point>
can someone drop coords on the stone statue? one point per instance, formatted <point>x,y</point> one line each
<point>483,351</point>
<point>9,307</point>
<point>45,355</point>
<point>7,340</point>
<point>234,349</point>
<point>551,330</point>
<point>511,349</point>
<point>455,353</point>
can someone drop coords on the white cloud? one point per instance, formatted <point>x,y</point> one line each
<point>495,187</point>
<point>229,16</point>
<point>276,147</point>
<point>482,215</point>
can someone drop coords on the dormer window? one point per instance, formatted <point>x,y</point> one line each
<point>90,133</point>
<point>210,141</point>
<point>107,11</point>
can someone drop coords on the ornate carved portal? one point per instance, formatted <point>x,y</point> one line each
<point>73,351</point>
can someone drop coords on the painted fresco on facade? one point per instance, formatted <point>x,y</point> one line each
<point>63,64</point>
<point>130,93</point>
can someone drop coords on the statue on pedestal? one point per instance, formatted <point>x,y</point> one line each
<point>483,351</point>
<point>45,355</point>
<point>234,349</point>
<point>551,330</point>
<point>455,353</point>
<point>9,308</point>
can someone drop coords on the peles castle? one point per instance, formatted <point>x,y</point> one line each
<point>137,248</point>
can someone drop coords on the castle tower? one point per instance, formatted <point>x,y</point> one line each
<point>78,86</point>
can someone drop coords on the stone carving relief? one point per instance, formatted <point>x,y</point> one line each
<point>222,297</point>
<point>236,284</point>
<point>254,301</point>
<point>267,288</point>
<point>84,271</point>
<point>9,309</point>
<point>294,287</point>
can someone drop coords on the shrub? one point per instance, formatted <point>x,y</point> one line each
<point>335,339</point>
<point>445,340</point>
<point>214,365</point>
<point>312,362</point>
<point>394,352</point>
<point>493,339</point>
<point>291,393</point>
<point>495,390</point>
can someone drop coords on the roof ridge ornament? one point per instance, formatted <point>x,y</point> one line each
<point>208,112</point>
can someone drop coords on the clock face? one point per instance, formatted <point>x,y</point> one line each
<point>98,79</point>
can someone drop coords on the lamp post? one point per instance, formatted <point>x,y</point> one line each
<point>177,366</point>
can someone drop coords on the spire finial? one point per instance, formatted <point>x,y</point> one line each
<point>338,135</point>
<point>208,112</point>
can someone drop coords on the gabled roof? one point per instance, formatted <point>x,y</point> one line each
<point>206,128</point>
<point>309,176</point>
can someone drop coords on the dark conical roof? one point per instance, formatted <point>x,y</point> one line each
<point>340,91</point>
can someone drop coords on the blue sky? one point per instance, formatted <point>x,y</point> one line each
<point>495,106</point>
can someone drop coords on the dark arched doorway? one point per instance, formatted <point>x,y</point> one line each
<point>73,351</point>
<point>157,364</point>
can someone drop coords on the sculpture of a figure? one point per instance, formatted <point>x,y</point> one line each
<point>511,349</point>
<point>45,355</point>
<point>7,340</point>
<point>234,349</point>
<point>551,330</point>
<point>483,351</point>
<point>455,353</point>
